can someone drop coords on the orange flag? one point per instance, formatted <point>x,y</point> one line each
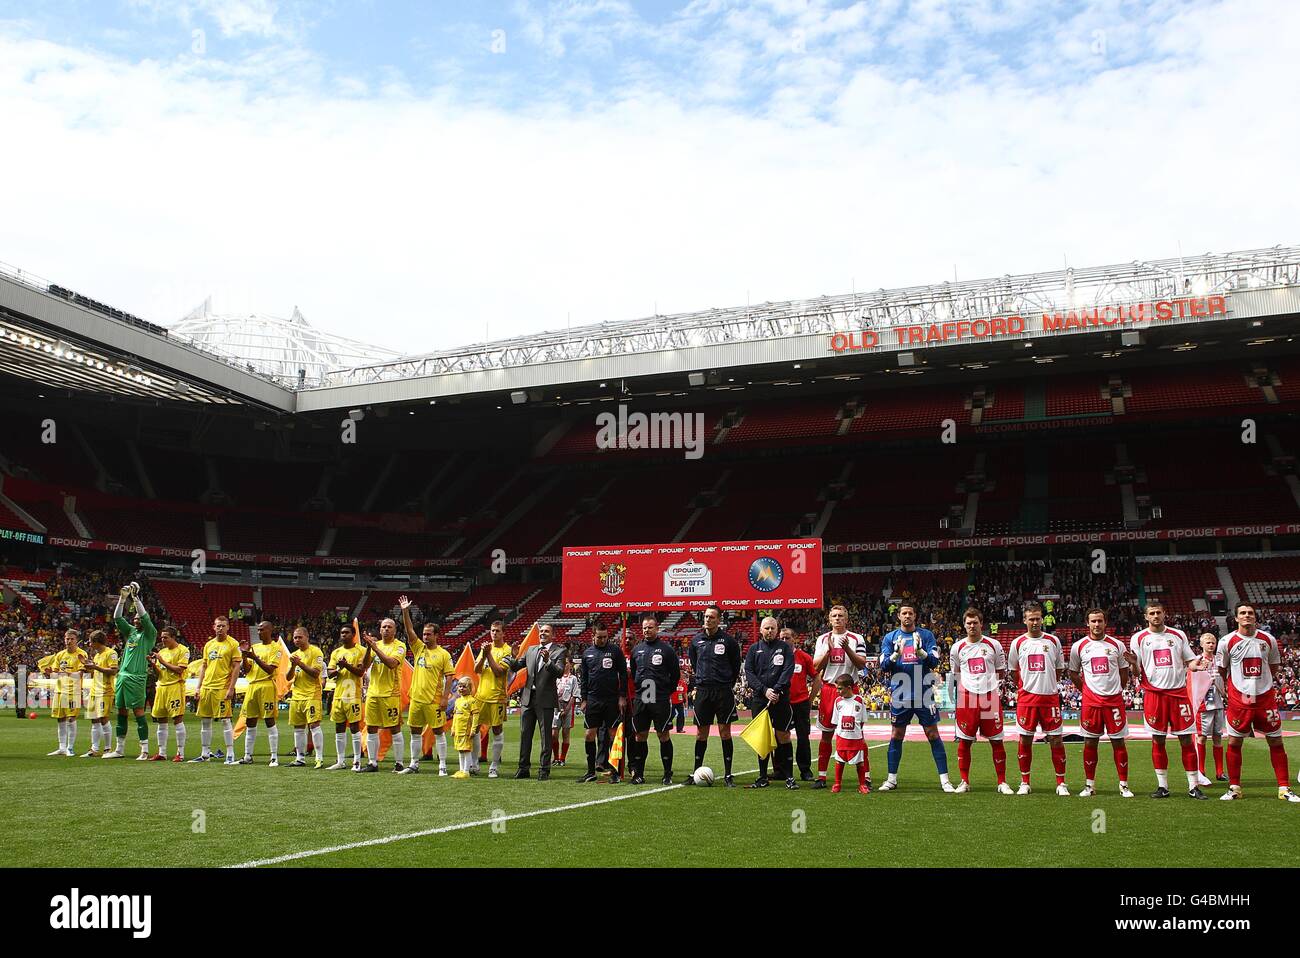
<point>532,638</point>
<point>465,666</point>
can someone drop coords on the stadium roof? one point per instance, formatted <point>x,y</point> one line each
<point>286,364</point>
<point>290,351</point>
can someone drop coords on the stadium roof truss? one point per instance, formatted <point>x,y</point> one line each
<point>286,365</point>
<point>1069,288</point>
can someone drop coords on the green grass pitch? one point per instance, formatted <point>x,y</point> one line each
<point>89,812</point>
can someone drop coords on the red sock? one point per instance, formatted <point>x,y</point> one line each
<point>555,750</point>
<point>1025,752</point>
<point>1278,754</point>
<point>482,745</point>
<point>1189,757</point>
<point>1090,759</point>
<point>1058,759</point>
<point>839,773</point>
<point>564,752</point>
<point>1000,761</point>
<point>963,759</point>
<point>1234,766</point>
<point>824,754</point>
<point>1200,755</point>
<point>1159,757</point>
<point>1121,760</point>
<point>1218,760</point>
<point>862,775</point>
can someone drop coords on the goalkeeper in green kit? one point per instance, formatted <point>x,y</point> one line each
<point>138,639</point>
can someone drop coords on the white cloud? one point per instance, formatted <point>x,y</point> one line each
<point>420,219</point>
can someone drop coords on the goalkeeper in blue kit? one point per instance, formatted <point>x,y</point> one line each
<point>909,657</point>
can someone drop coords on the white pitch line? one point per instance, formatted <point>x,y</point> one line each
<point>443,829</point>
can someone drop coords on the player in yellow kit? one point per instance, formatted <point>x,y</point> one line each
<point>67,667</point>
<point>348,662</point>
<point>384,698</point>
<point>464,726</point>
<point>217,676</point>
<point>430,686</point>
<point>306,673</point>
<point>261,698</point>
<point>103,667</point>
<point>170,662</point>
<point>491,693</point>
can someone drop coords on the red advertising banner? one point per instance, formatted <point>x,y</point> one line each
<point>763,574</point>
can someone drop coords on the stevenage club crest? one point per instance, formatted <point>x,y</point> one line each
<point>613,577</point>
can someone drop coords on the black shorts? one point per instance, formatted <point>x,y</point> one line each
<point>713,704</point>
<point>781,713</point>
<point>601,714</point>
<point>645,713</point>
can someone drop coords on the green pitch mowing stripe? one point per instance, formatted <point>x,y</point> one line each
<point>73,811</point>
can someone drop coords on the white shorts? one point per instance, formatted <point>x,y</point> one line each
<point>1212,722</point>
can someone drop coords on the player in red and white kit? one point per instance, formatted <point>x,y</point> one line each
<point>1247,660</point>
<point>979,664</point>
<point>1099,668</point>
<point>849,713</point>
<point>1036,659</point>
<point>837,652</point>
<point>1164,656</point>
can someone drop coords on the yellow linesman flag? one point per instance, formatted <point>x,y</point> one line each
<point>616,747</point>
<point>759,736</point>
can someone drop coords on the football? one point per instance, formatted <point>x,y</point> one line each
<point>703,775</point>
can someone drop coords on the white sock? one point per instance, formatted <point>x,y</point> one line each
<point>228,730</point>
<point>417,745</point>
<point>94,736</point>
<point>318,740</point>
<point>440,740</point>
<point>299,743</point>
<point>1089,782</point>
<point>893,777</point>
<point>162,738</point>
<point>180,738</point>
<point>108,735</point>
<point>1193,780</point>
<point>341,744</point>
<point>1162,777</point>
<point>205,736</point>
<point>72,734</point>
<point>63,735</point>
<point>398,743</point>
<point>498,746</point>
<point>464,761</point>
<point>356,746</point>
<point>943,779</point>
<point>372,745</point>
<point>250,740</point>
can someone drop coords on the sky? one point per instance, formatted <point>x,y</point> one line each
<point>426,175</point>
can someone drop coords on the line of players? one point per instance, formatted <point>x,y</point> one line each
<point>1098,664</point>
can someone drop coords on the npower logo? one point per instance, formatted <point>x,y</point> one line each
<point>77,911</point>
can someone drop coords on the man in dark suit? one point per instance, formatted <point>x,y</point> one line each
<point>538,701</point>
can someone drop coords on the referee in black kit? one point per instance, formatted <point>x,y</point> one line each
<point>715,663</point>
<point>655,671</point>
<point>602,681</point>
<point>769,666</point>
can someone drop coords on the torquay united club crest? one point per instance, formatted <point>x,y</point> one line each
<point>613,577</point>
